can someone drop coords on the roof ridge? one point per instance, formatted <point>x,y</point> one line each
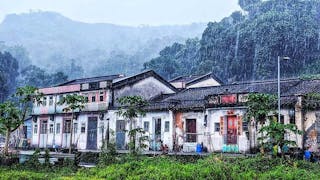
<point>201,76</point>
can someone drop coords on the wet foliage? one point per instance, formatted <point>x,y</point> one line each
<point>245,45</point>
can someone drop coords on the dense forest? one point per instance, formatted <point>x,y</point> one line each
<point>245,45</point>
<point>17,71</point>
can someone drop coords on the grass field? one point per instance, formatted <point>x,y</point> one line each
<point>213,167</point>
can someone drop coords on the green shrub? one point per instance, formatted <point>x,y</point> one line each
<point>213,167</point>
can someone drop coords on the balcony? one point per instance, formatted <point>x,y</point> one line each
<point>96,106</point>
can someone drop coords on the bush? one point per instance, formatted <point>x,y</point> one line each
<point>213,167</point>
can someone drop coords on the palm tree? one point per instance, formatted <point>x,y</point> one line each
<point>131,108</point>
<point>75,103</point>
<point>11,117</point>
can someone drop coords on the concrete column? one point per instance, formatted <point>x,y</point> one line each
<point>299,117</point>
<point>317,126</point>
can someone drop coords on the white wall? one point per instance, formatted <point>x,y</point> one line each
<point>165,116</point>
<point>205,83</point>
<point>217,139</point>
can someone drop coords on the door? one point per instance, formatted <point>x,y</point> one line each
<point>191,130</point>
<point>120,134</point>
<point>66,133</point>
<point>43,133</point>
<point>232,130</point>
<point>156,139</point>
<point>92,133</point>
<point>157,130</point>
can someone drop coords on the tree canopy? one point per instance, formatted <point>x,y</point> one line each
<point>245,45</point>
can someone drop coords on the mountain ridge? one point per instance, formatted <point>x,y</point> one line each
<point>50,36</point>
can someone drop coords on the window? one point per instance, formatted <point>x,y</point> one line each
<point>51,128</point>
<point>35,129</point>
<point>245,126</point>
<point>44,102</point>
<point>50,100</point>
<point>75,128</point>
<point>60,97</point>
<point>67,126</point>
<point>43,127</point>
<point>93,99</point>
<point>83,127</point>
<point>216,127</point>
<point>101,96</point>
<point>101,127</point>
<point>58,128</point>
<point>281,119</point>
<point>292,117</point>
<point>85,95</point>
<point>292,120</point>
<point>166,126</point>
<point>94,85</point>
<point>146,126</point>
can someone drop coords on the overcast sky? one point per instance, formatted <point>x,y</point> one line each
<point>128,12</point>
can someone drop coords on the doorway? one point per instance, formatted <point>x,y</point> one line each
<point>92,133</point>
<point>120,134</point>
<point>232,136</point>
<point>191,130</point>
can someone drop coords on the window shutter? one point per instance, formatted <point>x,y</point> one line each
<point>239,125</point>
<point>221,125</point>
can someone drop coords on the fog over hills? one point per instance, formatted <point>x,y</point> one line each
<point>54,42</point>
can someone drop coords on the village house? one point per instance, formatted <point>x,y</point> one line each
<point>51,125</point>
<point>194,81</point>
<point>203,111</point>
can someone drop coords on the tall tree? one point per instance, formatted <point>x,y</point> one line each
<point>35,76</point>
<point>8,74</point>
<point>74,103</point>
<point>175,60</point>
<point>9,121</point>
<point>12,115</point>
<point>245,45</point>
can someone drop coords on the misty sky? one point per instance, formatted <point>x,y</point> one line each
<point>128,12</point>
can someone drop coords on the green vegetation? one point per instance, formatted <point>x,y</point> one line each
<point>260,106</point>
<point>131,108</point>
<point>245,46</point>
<point>273,136</point>
<point>15,72</point>
<point>8,74</point>
<point>13,115</point>
<point>262,110</point>
<point>74,103</point>
<point>212,167</point>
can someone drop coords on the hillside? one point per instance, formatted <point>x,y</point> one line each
<point>52,40</point>
<point>245,45</point>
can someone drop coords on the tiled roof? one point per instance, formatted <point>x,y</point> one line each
<point>192,79</point>
<point>118,83</point>
<point>257,87</point>
<point>184,78</point>
<point>204,77</point>
<point>92,79</point>
<point>305,87</point>
<point>196,97</point>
